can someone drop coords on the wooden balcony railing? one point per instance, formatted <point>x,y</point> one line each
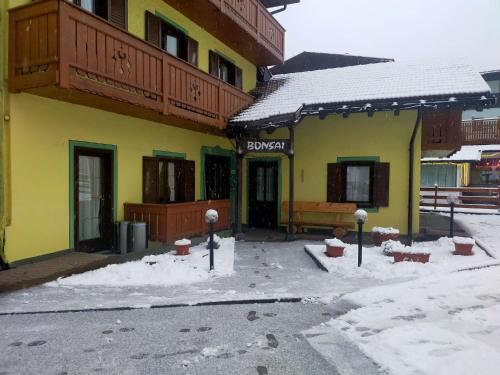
<point>55,45</point>
<point>441,133</point>
<point>170,222</point>
<point>481,132</point>
<point>245,25</point>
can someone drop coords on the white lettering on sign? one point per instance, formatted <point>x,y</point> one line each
<point>265,146</point>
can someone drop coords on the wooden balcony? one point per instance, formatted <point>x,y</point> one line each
<point>441,134</point>
<point>481,132</point>
<point>244,25</point>
<point>60,51</point>
<point>170,222</point>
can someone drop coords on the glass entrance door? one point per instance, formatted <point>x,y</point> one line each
<point>93,199</point>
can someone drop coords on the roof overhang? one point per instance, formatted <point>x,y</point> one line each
<point>278,3</point>
<point>462,102</point>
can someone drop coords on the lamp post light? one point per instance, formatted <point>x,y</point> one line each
<point>361,218</point>
<point>211,217</point>
<point>452,201</point>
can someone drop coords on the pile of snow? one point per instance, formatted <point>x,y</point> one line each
<point>183,242</point>
<point>335,242</point>
<point>484,229</point>
<point>389,247</point>
<point>382,230</point>
<point>447,324</point>
<point>160,270</point>
<point>379,266</point>
<point>361,216</point>
<point>211,216</point>
<point>464,240</point>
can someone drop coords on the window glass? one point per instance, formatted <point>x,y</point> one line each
<point>270,184</point>
<point>171,181</point>
<point>89,197</point>
<point>358,183</point>
<point>261,184</point>
<point>171,45</point>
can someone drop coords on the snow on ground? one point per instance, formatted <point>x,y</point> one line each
<point>485,229</point>
<point>442,324</point>
<point>457,210</point>
<point>160,270</point>
<point>379,266</point>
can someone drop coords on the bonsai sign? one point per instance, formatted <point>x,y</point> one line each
<point>266,145</point>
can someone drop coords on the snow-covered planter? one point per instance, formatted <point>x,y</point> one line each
<point>391,246</point>
<point>182,246</point>
<point>409,254</point>
<point>463,246</point>
<point>380,234</point>
<point>334,247</point>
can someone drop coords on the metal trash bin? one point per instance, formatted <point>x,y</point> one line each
<point>124,237</point>
<point>139,237</point>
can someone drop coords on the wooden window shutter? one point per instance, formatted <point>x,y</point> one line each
<point>186,181</point>
<point>150,180</point>
<point>117,13</point>
<point>192,51</point>
<point>334,183</point>
<point>238,81</point>
<point>381,185</point>
<point>153,29</point>
<point>214,63</point>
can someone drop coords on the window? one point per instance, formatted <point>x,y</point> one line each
<point>115,11</point>
<point>217,177</point>
<point>171,39</point>
<point>167,180</point>
<point>225,70</point>
<point>363,182</point>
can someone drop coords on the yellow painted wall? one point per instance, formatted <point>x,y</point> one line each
<point>40,133</point>
<point>321,142</point>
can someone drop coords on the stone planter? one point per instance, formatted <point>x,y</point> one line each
<point>380,235</point>
<point>463,246</point>
<point>411,257</point>
<point>182,247</point>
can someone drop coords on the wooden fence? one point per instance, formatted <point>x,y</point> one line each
<point>475,198</point>
<point>481,132</point>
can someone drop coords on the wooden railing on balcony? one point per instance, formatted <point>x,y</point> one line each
<point>252,16</point>
<point>481,132</point>
<point>170,222</point>
<point>54,45</point>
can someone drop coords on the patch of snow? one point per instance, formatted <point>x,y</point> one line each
<point>159,270</point>
<point>464,240</point>
<point>382,230</point>
<point>484,229</point>
<point>183,242</point>
<point>335,242</point>
<point>361,216</point>
<point>466,153</point>
<point>379,266</point>
<point>390,246</point>
<point>211,351</point>
<point>447,324</point>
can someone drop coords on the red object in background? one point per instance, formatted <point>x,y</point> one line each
<point>334,251</point>
<point>411,257</point>
<point>463,249</point>
<point>378,238</point>
<point>182,249</point>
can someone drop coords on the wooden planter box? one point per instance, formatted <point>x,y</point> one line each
<point>334,251</point>
<point>378,238</point>
<point>171,222</point>
<point>463,249</point>
<point>411,257</point>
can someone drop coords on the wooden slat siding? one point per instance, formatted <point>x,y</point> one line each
<point>481,132</point>
<point>170,222</point>
<point>77,50</point>
<point>441,130</point>
<point>243,12</point>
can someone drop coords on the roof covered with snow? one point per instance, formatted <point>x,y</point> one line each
<point>466,153</point>
<point>285,94</point>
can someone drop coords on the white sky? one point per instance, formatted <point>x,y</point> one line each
<point>399,29</point>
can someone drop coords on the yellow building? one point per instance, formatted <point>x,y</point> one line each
<point>119,110</point>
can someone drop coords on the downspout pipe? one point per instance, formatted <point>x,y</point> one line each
<point>410,173</point>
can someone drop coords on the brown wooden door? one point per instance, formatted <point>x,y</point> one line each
<point>93,188</point>
<point>263,194</point>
